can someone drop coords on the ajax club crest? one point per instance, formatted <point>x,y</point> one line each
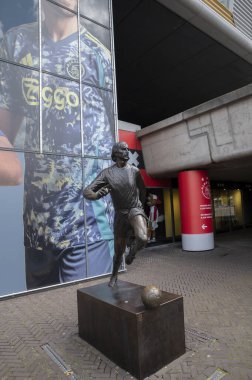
<point>72,68</point>
<point>205,188</point>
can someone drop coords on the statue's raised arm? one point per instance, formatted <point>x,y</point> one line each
<point>97,189</point>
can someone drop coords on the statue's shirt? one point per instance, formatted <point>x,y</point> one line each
<point>125,184</point>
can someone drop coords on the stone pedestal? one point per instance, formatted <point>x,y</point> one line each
<point>115,321</point>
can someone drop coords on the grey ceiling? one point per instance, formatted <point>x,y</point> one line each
<point>164,65</point>
<point>238,170</point>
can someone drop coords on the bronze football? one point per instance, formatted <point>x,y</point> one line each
<point>151,296</point>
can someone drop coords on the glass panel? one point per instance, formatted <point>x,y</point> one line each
<point>97,10</point>
<point>222,210</point>
<point>70,4</point>
<point>54,218</point>
<point>228,209</point>
<point>19,106</point>
<point>236,213</point>
<point>99,223</point>
<point>61,115</point>
<point>98,122</point>
<point>95,55</point>
<point>12,268</point>
<point>19,32</point>
<point>60,45</point>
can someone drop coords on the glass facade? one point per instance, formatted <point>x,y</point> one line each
<point>228,209</point>
<point>57,127</point>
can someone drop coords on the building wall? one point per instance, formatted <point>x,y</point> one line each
<point>242,12</point>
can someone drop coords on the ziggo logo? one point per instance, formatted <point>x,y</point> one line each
<point>58,97</point>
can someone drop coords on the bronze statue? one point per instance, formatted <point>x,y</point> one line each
<point>125,184</point>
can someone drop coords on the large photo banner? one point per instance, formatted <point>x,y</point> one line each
<point>57,129</point>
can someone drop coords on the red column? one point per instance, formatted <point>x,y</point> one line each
<point>196,211</point>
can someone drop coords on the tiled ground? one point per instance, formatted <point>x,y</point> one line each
<point>217,290</point>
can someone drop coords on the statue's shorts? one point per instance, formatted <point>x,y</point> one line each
<point>123,220</point>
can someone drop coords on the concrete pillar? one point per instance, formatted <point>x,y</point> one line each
<point>196,211</point>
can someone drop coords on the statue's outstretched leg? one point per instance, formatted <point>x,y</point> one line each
<point>117,261</point>
<point>132,252</point>
<point>139,225</point>
<point>120,245</point>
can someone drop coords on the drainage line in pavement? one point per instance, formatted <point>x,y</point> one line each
<point>218,374</point>
<point>59,361</point>
<point>200,335</point>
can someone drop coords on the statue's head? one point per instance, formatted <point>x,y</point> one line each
<point>120,150</point>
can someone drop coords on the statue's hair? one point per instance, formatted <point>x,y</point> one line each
<point>115,149</point>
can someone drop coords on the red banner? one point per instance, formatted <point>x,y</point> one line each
<point>195,202</point>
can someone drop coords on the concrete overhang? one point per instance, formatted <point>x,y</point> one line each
<point>210,22</point>
<point>216,135</point>
<point>172,55</point>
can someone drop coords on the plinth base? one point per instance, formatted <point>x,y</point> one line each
<point>197,242</point>
<point>115,321</point>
